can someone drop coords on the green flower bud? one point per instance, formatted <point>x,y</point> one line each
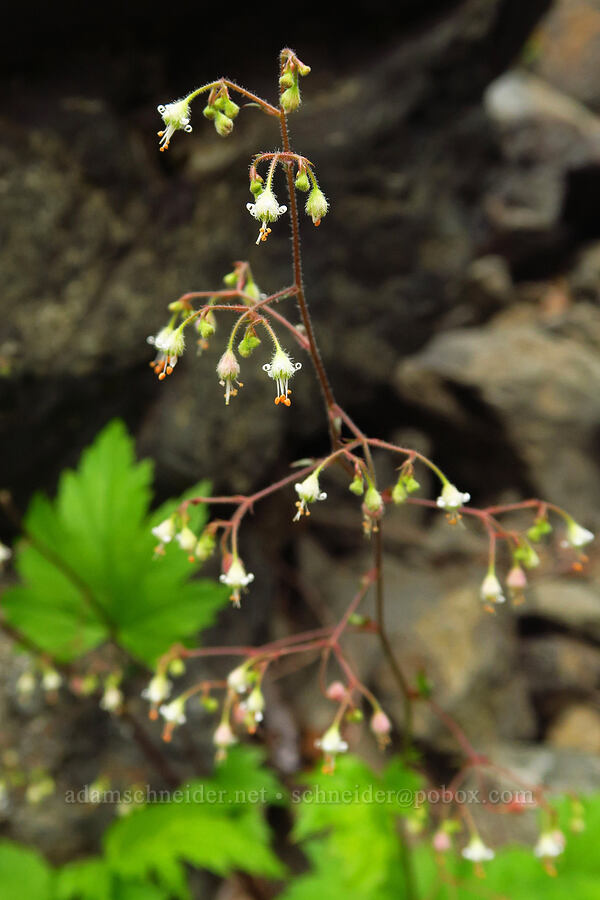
<point>209,112</point>
<point>316,205</point>
<point>256,186</point>
<point>248,344</point>
<point>210,704</point>
<point>302,183</point>
<point>354,715</point>
<point>231,279</point>
<point>304,70</point>
<point>357,485</point>
<point>358,620</point>
<point>540,527</point>
<point>223,125</point>
<point>253,290</point>
<point>230,108</point>
<point>373,500</point>
<point>399,493</point>
<point>206,328</point>
<point>290,99</point>
<point>176,667</point>
<point>286,80</point>
<point>411,485</point>
<point>527,555</point>
<point>205,546</point>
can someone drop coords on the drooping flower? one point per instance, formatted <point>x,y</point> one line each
<point>236,578</point>
<point>165,532</point>
<point>316,205</point>
<point>381,727</point>
<point>577,536</point>
<point>477,851</point>
<point>187,540</point>
<point>451,498</point>
<point>240,679</point>
<point>5,553</point>
<point>281,369</point>
<point>176,117</point>
<point>254,708</point>
<point>158,689</point>
<point>228,369</point>
<point>112,698</point>
<point>550,844</point>
<point>491,589</point>
<point>223,738</point>
<point>308,491</point>
<point>266,209</point>
<point>51,679</point>
<point>331,743</point>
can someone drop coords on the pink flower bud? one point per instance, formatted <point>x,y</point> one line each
<point>380,724</point>
<point>336,691</point>
<point>441,841</point>
<point>516,579</point>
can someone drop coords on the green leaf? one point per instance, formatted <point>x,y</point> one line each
<point>24,873</point>
<point>88,571</point>
<point>348,821</point>
<point>87,879</point>
<point>215,824</point>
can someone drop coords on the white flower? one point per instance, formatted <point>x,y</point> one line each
<point>176,116</point>
<point>165,532</point>
<point>332,742</point>
<point>228,369</point>
<point>237,578</point>
<point>476,850</point>
<point>308,491</point>
<point>224,736</point>
<point>255,704</point>
<point>170,344</point>
<point>158,689</point>
<point>174,712</point>
<point>186,539</point>
<point>51,680</point>
<point>550,843</point>
<point>577,536</point>
<point>451,498</point>
<point>5,553</point>
<point>280,369</point>
<point>266,209</point>
<point>238,679</point>
<point>25,684</point>
<point>316,205</point>
<point>112,699</point>
<point>491,589</point>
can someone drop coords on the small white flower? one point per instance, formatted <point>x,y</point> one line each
<point>316,205</point>
<point>224,736</point>
<point>174,712</point>
<point>170,344</point>
<point>236,578</point>
<point>476,850</point>
<point>451,498</point>
<point>308,491</point>
<point>255,704</point>
<point>238,679</point>
<point>281,369</point>
<point>550,843</point>
<point>112,699</point>
<point>186,539</point>
<point>228,369</point>
<point>51,680</point>
<point>332,742</point>
<point>165,532</point>
<point>491,589</point>
<point>158,689</point>
<point>5,553</point>
<point>176,117</point>
<point>266,209</point>
<point>577,536</point>
<point>25,684</point>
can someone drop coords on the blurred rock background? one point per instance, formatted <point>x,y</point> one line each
<point>455,290</point>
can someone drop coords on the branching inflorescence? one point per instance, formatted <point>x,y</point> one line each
<point>256,313</point>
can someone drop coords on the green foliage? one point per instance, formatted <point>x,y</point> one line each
<point>86,562</point>
<point>348,822</point>
<point>215,824</point>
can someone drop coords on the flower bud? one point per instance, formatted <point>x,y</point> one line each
<point>209,112</point>
<point>286,80</point>
<point>357,485</point>
<point>526,554</point>
<point>539,529</point>
<point>249,343</point>
<point>302,183</point>
<point>491,589</point>
<point>223,124</point>
<point>516,579</point>
<point>256,186</point>
<point>441,841</point>
<point>316,205</point>
<point>336,691</point>
<point>399,493</point>
<point>206,545</point>
<point>290,99</point>
<point>381,726</point>
<point>373,501</point>
<point>206,327</point>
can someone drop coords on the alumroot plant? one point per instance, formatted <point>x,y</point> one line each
<point>258,316</point>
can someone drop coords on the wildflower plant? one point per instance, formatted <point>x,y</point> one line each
<point>182,534</point>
